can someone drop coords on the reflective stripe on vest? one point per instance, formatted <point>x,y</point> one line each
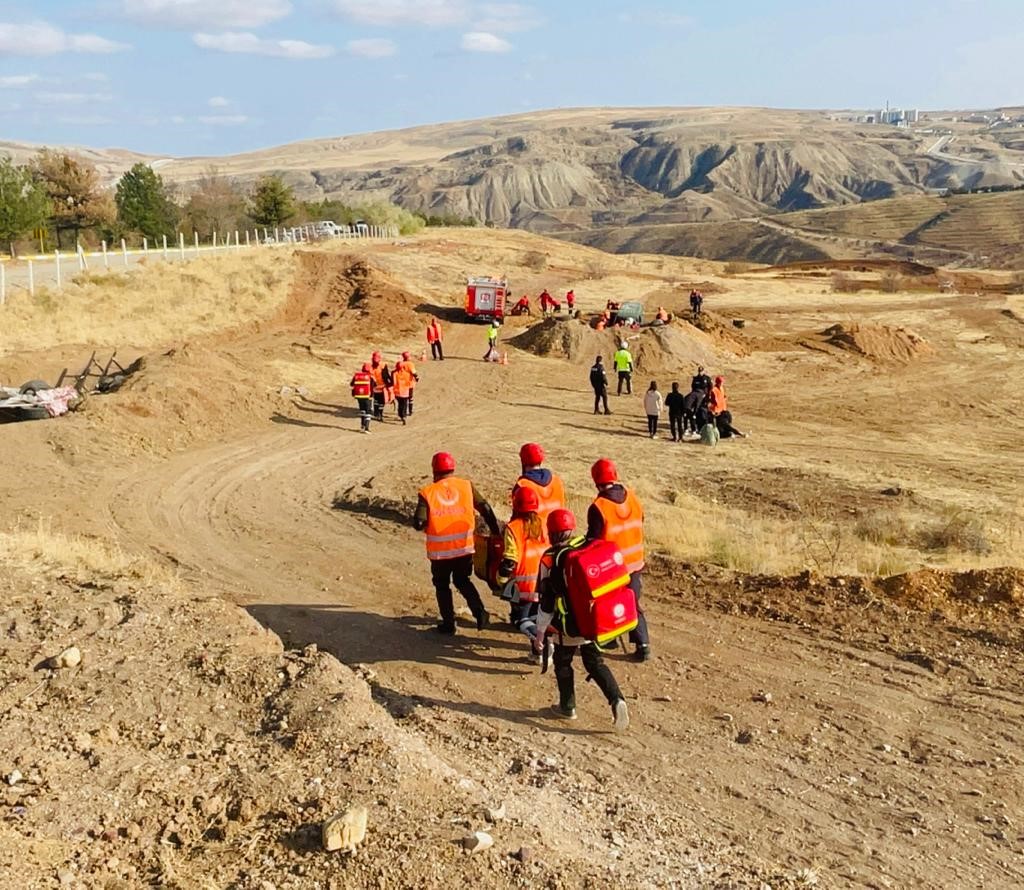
<point>551,496</point>
<point>530,552</point>
<point>624,524</point>
<point>361,385</point>
<point>450,519</point>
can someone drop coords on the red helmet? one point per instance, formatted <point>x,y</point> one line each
<point>376,357</point>
<point>405,356</point>
<point>603,472</point>
<point>525,500</point>
<point>719,381</point>
<point>560,521</point>
<point>531,455</point>
<point>366,367</point>
<point>442,462</point>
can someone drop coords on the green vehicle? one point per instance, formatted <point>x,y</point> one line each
<point>630,312</point>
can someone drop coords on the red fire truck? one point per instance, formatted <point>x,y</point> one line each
<point>487,298</point>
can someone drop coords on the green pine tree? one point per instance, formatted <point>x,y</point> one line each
<point>24,205</point>
<point>143,204</point>
<point>272,202</point>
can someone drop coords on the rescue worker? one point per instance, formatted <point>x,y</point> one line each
<point>570,301</point>
<point>492,341</point>
<point>717,401</point>
<point>445,512</point>
<point>434,339</point>
<point>662,316</point>
<point>382,383</point>
<point>523,306</point>
<point>599,382</point>
<point>526,539</point>
<point>405,379</point>
<point>549,488</point>
<point>547,302</point>
<point>554,614</point>
<point>362,392</point>
<point>616,515</point>
<point>623,359</point>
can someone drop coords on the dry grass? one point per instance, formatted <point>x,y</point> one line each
<point>151,305</point>
<point>42,549</point>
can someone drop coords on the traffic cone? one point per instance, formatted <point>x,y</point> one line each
<point>504,358</point>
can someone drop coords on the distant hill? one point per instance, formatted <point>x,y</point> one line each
<point>578,172</point>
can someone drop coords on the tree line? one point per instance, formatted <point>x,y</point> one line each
<point>59,200</point>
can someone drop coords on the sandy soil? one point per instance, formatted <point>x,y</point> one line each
<point>885,753</point>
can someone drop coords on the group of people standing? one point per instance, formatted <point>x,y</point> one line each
<point>540,532</point>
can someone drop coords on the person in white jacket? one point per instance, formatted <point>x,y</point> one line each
<point>653,404</point>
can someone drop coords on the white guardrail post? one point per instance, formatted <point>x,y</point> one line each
<point>31,280</point>
<point>56,256</point>
<point>106,259</point>
<point>124,252</point>
<point>181,245</point>
<point>165,247</point>
<point>196,239</point>
<point>3,284</point>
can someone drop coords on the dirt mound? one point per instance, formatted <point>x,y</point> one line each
<point>879,342</point>
<point>722,331</point>
<point>342,296</point>
<point>663,348</point>
<point>932,588</point>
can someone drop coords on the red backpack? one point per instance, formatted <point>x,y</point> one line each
<point>600,603</point>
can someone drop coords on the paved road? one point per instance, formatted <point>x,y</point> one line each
<point>938,150</point>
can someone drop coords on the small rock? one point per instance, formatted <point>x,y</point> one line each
<point>477,842</point>
<point>13,777</point>
<point>213,806</point>
<point>664,698</point>
<point>65,876</point>
<point>523,855</point>
<point>69,658</point>
<point>109,835</point>
<point>617,839</point>
<point>82,742</point>
<point>494,814</point>
<point>347,831</point>
<point>548,761</point>
<point>725,718</point>
<point>885,749</point>
<point>292,670</point>
<point>744,737</point>
<point>765,697</point>
<point>246,810</point>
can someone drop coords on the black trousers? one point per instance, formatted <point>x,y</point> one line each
<point>443,572</point>
<point>378,405</point>
<point>436,351</point>
<point>601,395</point>
<point>403,406</point>
<point>690,421</point>
<point>412,392</point>
<point>641,636</point>
<point>627,378</point>
<point>593,663</point>
<point>365,412</point>
<point>652,424</point>
<point>676,426</point>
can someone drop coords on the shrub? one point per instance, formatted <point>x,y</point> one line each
<point>736,268</point>
<point>535,260</point>
<point>596,269</point>
<point>958,531</point>
<point>883,528</point>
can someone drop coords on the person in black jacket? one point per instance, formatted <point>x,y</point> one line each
<point>599,381</point>
<point>692,404</point>
<point>701,380</point>
<point>675,401</point>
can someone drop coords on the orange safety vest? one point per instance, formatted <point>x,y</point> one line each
<point>530,551</point>
<point>451,522</point>
<point>404,379</point>
<point>551,496</point>
<point>362,385</point>
<point>718,402</point>
<point>433,333</point>
<point>624,525</point>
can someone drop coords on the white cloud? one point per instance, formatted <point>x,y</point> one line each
<point>218,102</point>
<point>14,81</point>
<point>96,77</point>
<point>43,39</point>
<point>54,98</point>
<point>190,14</point>
<point>484,42</point>
<point>242,42</point>
<point>177,119</point>
<point>404,12</point>
<point>507,18</point>
<point>372,47</point>
<point>224,120</point>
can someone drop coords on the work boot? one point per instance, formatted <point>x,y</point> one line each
<point>483,620</point>
<point>643,653</point>
<point>620,715</point>
<point>447,630</point>
<point>562,713</point>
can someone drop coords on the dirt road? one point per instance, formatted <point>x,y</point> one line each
<point>799,729</point>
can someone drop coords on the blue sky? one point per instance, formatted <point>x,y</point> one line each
<point>183,77</point>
